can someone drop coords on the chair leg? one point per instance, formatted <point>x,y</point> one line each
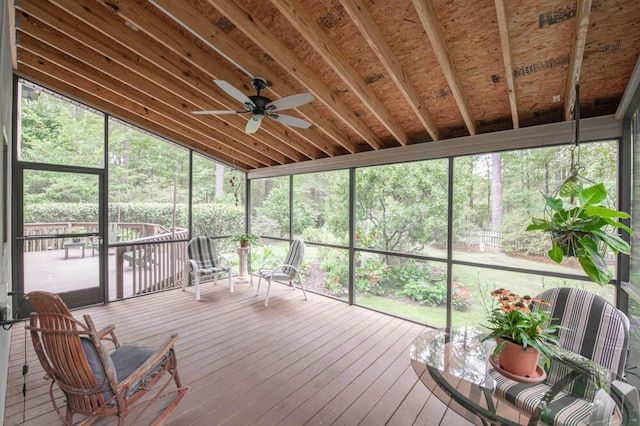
<point>186,279</point>
<point>266,302</point>
<point>230,280</point>
<point>196,283</point>
<point>259,281</point>
<point>304,293</point>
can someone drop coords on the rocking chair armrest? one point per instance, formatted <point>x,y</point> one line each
<point>155,357</point>
<point>109,330</point>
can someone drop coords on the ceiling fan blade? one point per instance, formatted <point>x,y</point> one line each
<point>289,102</point>
<point>223,112</point>
<point>290,120</point>
<point>253,124</point>
<point>234,93</point>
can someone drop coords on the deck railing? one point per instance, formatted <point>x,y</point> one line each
<point>157,262</point>
<point>153,257</point>
<point>128,231</point>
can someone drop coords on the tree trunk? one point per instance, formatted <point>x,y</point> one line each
<point>496,191</point>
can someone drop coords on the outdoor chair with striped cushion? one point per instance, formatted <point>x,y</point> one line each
<point>204,264</point>
<point>593,328</point>
<point>287,271</point>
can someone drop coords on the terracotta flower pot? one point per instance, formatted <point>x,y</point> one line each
<point>517,361</point>
<point>244,243</point>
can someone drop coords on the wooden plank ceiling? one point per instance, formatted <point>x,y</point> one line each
<point>383,73</point>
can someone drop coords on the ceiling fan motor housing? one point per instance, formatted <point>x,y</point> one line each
<point>260,103</point>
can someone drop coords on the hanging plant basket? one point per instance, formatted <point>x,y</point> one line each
<point>579,219</point>
<point>584,227</point>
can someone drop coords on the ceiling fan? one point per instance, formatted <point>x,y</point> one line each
<point>260,106</point>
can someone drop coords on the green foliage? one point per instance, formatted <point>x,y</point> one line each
<point>402,207</point>
<point>337,268</point>
<point>210,219</point>
<point>584,230</point>
<point>370,275</point>
<point>512,320</point>
<point>431,293</point>
<point>249,238</point>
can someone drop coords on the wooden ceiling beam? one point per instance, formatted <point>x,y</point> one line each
<point>146,21</point>
<point>101,20</point>
<point>103,55</point>
<point>69,89</point>
<point>191,20</point>
<point>109,98</point>
<point>11,10</point>
<point>34,52</point>
<point>253,28</point>
<point>583,14</point>
<point>362,18</point>
<point>306,25</point>
<point>503,27</point>
<point>432,28</point>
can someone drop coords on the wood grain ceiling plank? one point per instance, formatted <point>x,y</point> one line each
<point>166,36</point>
<point>189,18</point>
<point>360,16</point>
<point>100,58</point>
<point>583,13</point>
<point>70,89</point>
<point>501,12</point>
<point>307,26</point>
<point>260,35</point>
<point>432,28</point>
<point>166,69</point>
<point>89,83</point>
<point>137,101</point>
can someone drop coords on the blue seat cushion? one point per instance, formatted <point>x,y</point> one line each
<point>124,361</point>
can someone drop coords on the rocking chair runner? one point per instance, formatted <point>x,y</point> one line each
<point>95,383</point>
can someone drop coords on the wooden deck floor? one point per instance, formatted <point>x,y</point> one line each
<point>295,362</point>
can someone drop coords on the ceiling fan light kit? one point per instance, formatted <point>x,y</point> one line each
<point>260,106</point>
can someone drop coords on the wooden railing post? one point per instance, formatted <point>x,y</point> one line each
<point>120,272</point>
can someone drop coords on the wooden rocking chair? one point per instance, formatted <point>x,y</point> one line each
<point>94,382</point>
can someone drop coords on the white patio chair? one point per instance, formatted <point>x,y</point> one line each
<point>204,264</point>
<point>288,271</point>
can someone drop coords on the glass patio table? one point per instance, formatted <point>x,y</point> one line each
<point>454,365</point>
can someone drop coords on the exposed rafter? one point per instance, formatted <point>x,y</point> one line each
<point>368,28</point>
<point>140,17</point>
<point>58,64</point>
<point>153,63</point>
<point>503,27</point>
<point>260,35</point>
<point>171,64</point>
<point>199,26</point>
<point>304,23</point>
<point>431,27</point>
<point>11,10</point>
<point>583,13</point>
<point>70,89</point>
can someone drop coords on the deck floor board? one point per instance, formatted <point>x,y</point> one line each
<point>294,362</point>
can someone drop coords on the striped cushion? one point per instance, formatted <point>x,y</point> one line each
<point>594,328</point>
<point>294,257</point>
<point>564,410</point>
<point>202,250</point>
